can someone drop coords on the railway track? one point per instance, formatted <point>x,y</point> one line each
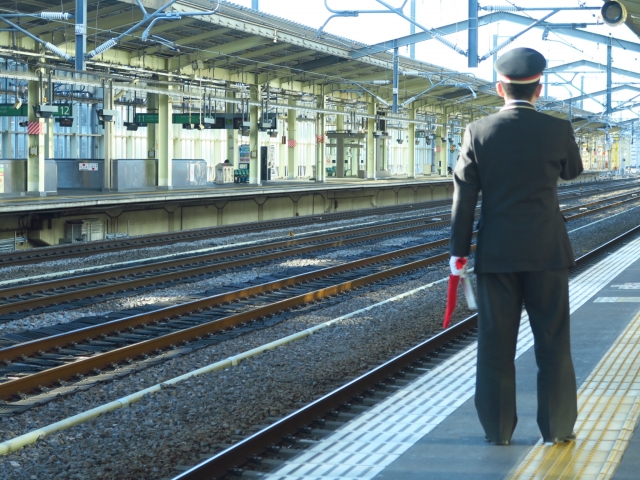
<point>288,436</point>
<point>65,358</point>
<point>32,297</point>
<point>58,252</point>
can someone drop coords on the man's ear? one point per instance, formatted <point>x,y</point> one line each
<point>538,92</point>
<point>500,90</point>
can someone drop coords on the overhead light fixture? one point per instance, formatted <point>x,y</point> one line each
<point>18,104</point>
<point>45,111</point>
<point>105,115</point>
<point>613,13</point>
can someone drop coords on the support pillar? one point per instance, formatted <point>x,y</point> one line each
<point>411,166</point>
<point>81,34</point>
<point>282,151</point>
<point>371,145</point>
<point>292,122</point>
<point>164,137</point>
<point>129,144</point>
<point>321,139</point>
<point>49,139</point>
<point>6,138</point>
<point>396,78</point>
<point>152,128</point>
<point>108,146</point>
<point>232,134</point>
<point>177,140</point>
<point>472,56</point>
<point>73,143</point>
<point>412,30</point>
<point>254,140</point>
<point>35,147</point>
<point>340,143</point>
<point>609,84</point>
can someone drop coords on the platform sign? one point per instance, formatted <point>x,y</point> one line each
<point>64,110</point>
<point>7,110</point>
<point>1,178</point>
<point>148,118</point>
<point>93,167</point>
<point>421,134</point>
<point>182,118</point>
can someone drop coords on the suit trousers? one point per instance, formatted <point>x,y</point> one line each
<point>545,295</point>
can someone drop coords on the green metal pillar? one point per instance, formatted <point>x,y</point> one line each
<point>254,138</point>
<point>164,137</point>
<point>411,167</point>
<point>35,146</point>
<point>292,123</point>
<point>321,139</point>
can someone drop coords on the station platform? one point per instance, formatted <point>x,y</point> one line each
<point>46,219</point>
<point>87,198</point>
<point>429,429</point>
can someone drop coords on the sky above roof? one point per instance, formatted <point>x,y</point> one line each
<point>559,49</point>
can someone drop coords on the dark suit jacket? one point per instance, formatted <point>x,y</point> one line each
<point>515,158</point>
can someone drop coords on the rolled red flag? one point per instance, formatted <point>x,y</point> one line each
<point>452,298</point>
<point>452,293</point>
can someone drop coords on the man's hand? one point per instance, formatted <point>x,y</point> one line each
<point>458,265</point>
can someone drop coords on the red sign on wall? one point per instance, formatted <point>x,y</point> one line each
<point>34,128</point>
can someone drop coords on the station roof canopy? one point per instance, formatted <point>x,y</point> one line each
<point>237,43</point>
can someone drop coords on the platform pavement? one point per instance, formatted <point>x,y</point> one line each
<point>448,440</point>
<point>91,198</point>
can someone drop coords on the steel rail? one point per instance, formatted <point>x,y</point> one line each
<point>61,340</point>
<point>236,455</point>
<point>160,278</point>
<point>600,209</point>
<point>37,380</point>
<point>100,290</point>
<point>97,362</point>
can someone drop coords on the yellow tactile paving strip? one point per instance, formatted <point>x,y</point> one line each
<point>608,412</point>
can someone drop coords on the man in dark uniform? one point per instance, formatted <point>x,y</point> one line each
<point>515,157</point>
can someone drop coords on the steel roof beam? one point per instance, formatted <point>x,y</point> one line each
<point>486,20</point>
<point>221,50</point>
<point>597,66</point>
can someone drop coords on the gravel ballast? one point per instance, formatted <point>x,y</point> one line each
<point>176,425</point>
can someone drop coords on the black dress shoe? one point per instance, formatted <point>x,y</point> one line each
<point>497,442</point>
<point>556,440</point>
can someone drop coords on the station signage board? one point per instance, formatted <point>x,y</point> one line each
<point>421,134</point>
<point>143,118</point>
<point>7,110</point>
<point>181,118</point>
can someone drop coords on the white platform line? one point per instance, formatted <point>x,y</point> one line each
<point>364,447</point>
